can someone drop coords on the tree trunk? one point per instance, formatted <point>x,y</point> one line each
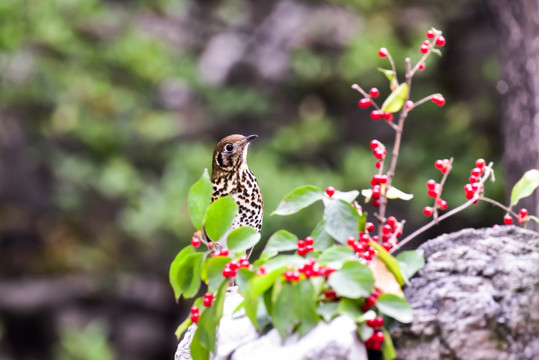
<point>517,27</point>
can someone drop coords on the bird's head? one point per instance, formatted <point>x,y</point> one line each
<point>230,153</point>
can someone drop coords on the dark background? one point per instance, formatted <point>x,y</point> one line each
<point>109,111</point>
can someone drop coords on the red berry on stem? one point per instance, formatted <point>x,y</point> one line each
<point>427,210</point>
<point>440,41</point>
<point>376,115</point>
<point>426,42</point>
<point>507,219</point>
<point>388,116</point>
<point>430,34</point>
<point>369,226</point>
<point>386,229</point>
<point>424,48</point>
<point>376,202</point>
<point>378,336</point>
<point>476,172</point>
<point>374,144</point>
<point>309,240</point>
<point>391,221</point>
<point>365,103</point>
<point>439,164</point>
<point>382,52</point>
<point>431,184</point>
<point>374,92</point>
<point>194,318</point>
<point>409,104</point>
<point>421,67</point>
<point>330,190</point>
<point>523,213</point>
<point>195,242</point>
<point>480,163</point>
<point>442,204</point>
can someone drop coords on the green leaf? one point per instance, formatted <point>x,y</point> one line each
<point>395,307</point>
<point>353,280</point>
<point>342,220</point>
<point>220,216</point>
<point>298,199</point>
<point>183,326</point>
<point>328,310</point>
<point>350,308</point>
<point>242,278</point>
<point>209,320</point>
<point>284,261</point>
<point>281,240</point>
<point>187,276</point>
<point>362,222</point>
<point>256,286</point>
<point>335,256</point>
<point>322,240</point>
<point>390,75</point>
<point>175,268</point>
<point>391,263</point>
<point>395,100</point>
<point>284,317</point>
<point>410,262</point>
<point>304,307</point>
<point>525,186</point>
<point>347,196</point>
<point>214,268</point>
<point>198,352</point>
<point>436,51</point>
<point>388,350</point>
<point>364,331</point>
<point>242,238</point>
<point>199,198</point>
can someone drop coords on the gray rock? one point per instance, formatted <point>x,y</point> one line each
<point>476,298</point>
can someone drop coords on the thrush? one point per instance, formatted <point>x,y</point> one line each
<point>231,176</point>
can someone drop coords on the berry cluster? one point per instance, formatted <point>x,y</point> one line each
<point>208,299</point>
<point>361,247</point>
<point>309,269</point>
<point>376,182</point>
<point>371,300</point>
<point>195,314</point>
<point>231,269</point>
<point>379,152</point>
<point>379,114</point>
<point>474,186</point>
<point>443,165</point>
<point>292,276</point>
<point>521,218</point>
<point>375,340</point>
<point>434,190</point>
<point>391,230</point>
<point>195,240</point>
<point>305,246</point>
<point>222,252</point>
<point>427,45</point>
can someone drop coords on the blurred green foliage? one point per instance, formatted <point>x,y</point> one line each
<point>89,343</point>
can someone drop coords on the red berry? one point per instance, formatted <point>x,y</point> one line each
<point>224,252</point>
<point>374,92</point>
<point>207,302</point>
<point>431,184</point>
<point>438,100</point>
<point>440,41</point>
<point>195,242</point>
<point>376,191</point>
<point>523,213</point>
<point>378,336</point>
<point>426,42</point>
<point>351,241</point>
<point>378,164</point>
<point>365,103</point>
<point>473,179</point>
<point>421,67</point>
<point>391,221</point>
<point>194,318</point>
<point>262,270</point>
<point>386,245</point>
<point>480,163</point>
<point>507,219</point>
<point>228,272</point>
<point>388,116</point>
<point>330,295</point>
<point>301,244</point>
<point>427,210</point>
<point>379,153</point>
<point>309,240</point>
<point>476,172</point>
<point>382,52</point>
<point>432,193</point>
<point>194,310</point>
<point>386,229</point>
<point>442,204</point>
<point>409,104</point>
<point>309,248</point>
<point>424,48</point>
<point>330,190</point>
<point>379,322</point>
<point>369,226</point>
<point>210,244</point>
<point>374,144</point>
<point>376,115</point>
<point>376,202</point>
<point>430,34</point>
<point>439,164</point>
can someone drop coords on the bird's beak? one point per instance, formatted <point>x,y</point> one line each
<point>249,138</point>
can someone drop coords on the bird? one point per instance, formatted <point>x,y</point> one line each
<point>231,176</point>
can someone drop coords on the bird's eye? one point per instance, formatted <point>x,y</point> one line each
<point>229,147</point>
